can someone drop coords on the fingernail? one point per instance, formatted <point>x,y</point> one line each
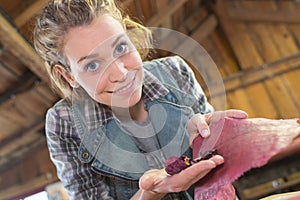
<point>204,133</point>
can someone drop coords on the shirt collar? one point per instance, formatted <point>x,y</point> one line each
<point>152,88</point>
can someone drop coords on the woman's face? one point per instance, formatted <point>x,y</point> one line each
<point>104,62</point>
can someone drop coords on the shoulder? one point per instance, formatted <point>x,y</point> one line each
<point>172,67</point>
<point>173,62</point>
<point>61,109</point>
<point>60,123</point>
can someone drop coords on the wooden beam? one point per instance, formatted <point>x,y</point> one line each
<point>25,82</point>
<point>238,38</point>
<point>15,148</point>
<point>165,13</point>
<point>32,128</point>
<point>23,152</point>
<point>13,40</point>
<point>38,178</point>
<point>180,43</point>
<point>38,182</point>
<point>256,74</point>
<point>206,28</point>
<point>30,12</point>
<point>261,15</point>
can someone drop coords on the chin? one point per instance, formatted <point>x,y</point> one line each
<point>134,99</point>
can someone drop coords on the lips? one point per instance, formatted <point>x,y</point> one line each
<point>127,87</point>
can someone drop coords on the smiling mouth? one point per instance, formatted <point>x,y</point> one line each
<point>128,87</point>
<point>125,88</point>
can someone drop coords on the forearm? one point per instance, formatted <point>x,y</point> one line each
<point>147,195</point>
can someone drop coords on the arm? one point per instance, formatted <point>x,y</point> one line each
<point>188,83</point>
<point>78,178</point>
<point>204,115</point>
<point>147,195</point>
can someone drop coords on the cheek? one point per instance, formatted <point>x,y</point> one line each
<point>133,60</point>
<point>93,85</point>
<point>99,85</point>
<point>95,91</point>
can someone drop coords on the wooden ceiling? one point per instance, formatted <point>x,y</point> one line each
<point>255,45</point>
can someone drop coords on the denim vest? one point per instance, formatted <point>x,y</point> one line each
<point>112,152</point>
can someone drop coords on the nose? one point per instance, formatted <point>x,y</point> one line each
<point>118,71</point>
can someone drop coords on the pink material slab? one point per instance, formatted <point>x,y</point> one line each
<point>244,144</point>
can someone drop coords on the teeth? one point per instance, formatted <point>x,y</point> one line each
<point>124,88</point>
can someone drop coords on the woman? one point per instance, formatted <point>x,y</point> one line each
<point>120,117</point>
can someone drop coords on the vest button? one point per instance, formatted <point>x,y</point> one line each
<point>85,155</point>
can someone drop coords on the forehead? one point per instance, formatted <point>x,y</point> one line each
<point>79,41</point>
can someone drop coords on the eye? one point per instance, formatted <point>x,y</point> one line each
<point>121,48</point>
<point>92,66</point>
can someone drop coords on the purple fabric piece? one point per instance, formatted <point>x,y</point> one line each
<point>244,144</point>
<point>176,164</point>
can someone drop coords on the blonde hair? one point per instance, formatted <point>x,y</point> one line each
<point>59,16</point>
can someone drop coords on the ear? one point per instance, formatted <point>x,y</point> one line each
<point>67,75</point>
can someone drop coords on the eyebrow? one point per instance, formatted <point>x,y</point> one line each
<point>117,40</point>
<point>87,57</point>
<point>95,54</point>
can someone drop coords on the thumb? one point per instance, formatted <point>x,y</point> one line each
<point>197,125</point>
<point>147,181</point>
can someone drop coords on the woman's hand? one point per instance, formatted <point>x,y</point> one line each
<point>154,184</point>
<point>198,124</point>
<point>159,182</point>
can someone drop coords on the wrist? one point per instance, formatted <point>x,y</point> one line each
<point>147,195</point>
<point>151,195</point>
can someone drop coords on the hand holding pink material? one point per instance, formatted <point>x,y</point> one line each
<point>244,144</point>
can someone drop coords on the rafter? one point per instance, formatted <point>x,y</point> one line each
<point>21,145</point>
<point>165,13</point>
<point>256,74</point>
<point>23,17</point>
<point>25,82</point>
<point>255,14</point>
<point>12,39</point>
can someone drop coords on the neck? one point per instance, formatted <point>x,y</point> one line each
<point>136,112</point>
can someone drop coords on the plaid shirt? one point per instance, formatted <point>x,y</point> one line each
<point>63,139</point>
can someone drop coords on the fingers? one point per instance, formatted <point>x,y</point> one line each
<point>150,178</point>
<point>200,169</point>
<point>218,115</point>
<point>159,181</point>
<point>192,174</point>
<point>215,161</point>
<point>208,164</point>
<point>200,124</point>
<point>146,182</point>
<point>197,125</point>
<point>239,114</point>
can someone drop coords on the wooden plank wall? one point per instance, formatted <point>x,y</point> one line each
<point>265,47</point>
<point>29,176</point>
<point>266,53</point>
